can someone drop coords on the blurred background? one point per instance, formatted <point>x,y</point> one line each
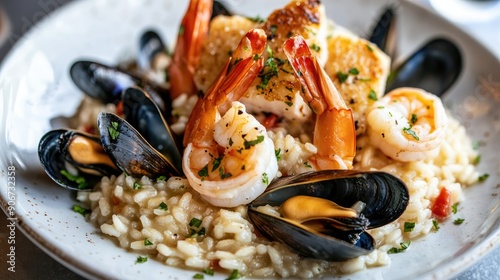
<point>479,18</point>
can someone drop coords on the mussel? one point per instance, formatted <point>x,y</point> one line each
<point>106,83</point>
<point>130,151</point>
<point>73,159</point>
<point>153,53</point>
<point>219,9</point>
<point>383,197</point>
<point>140,111</point>
<point>434,67</point>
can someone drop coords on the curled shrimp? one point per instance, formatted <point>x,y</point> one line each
<point>192,33</point>
<point>334,132</point>
<point>230,160</point>
<point>407,124</point>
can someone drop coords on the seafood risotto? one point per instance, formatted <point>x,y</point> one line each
<point>190,221</point>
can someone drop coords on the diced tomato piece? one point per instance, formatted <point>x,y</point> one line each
<point>270,121</point>
<point>442,206</point>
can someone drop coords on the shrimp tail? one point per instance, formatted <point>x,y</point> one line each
<point>192,34</point>
<point>334,134</point>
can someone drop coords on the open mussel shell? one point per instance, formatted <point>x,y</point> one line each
<point>106,83</point>
<point>386,197</point>
<point>130,151</point>
<point>434,67</point>
<point>219,9</point>
<point>68,172</point>
<point>140,111</point>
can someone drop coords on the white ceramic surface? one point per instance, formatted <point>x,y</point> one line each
<point>35,87</point>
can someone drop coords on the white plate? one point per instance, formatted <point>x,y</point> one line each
<point>35,87</point>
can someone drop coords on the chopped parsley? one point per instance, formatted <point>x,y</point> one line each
<point>208,271</point>
<point>181,30</point>
<point>315,47</point>
<point>235,274</point>
<point>278,154</point>
<point>82,183</point>
<point>372,95</point>
<point>198,276</point>
<point>289,103</point>
<point>409,227</point>
<point>458,221</point>
<point>273,28</point>
<point>147,242</point>
<point>476,160</point>
<point>404,246</point>
<point>257,19</point>
<point>217,162</point>
<point>81,210</point>
<point>251,143</point>
<point>410,132</point>
<point>195,223</point>
<point>161,178</point>
<point>369,47</point>
<point>113,130</point>
<point>342,76</point>
<point>306,164</point>
<point>435,224</point>
<point>354,71</point>
<point>414,118</point>
<point>223,174</point>
<point>163,206</point>
<point>141,259</point>
<point>483,177</point>
<point>137,186</point>
<point>265,179</point>
<point>269,70</point>
<point>203,172</point>
<point>454,208</point>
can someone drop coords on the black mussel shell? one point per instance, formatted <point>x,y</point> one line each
<point>106,83</point>
<point>130,151</point>
<point>384,32</point>
<point>141,112</point>
<point>434,67</point>
<point>54,156</point>
<point>219,9</point>
<point>150,45</point>
<point>386,197</point>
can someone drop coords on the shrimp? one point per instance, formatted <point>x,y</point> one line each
<point>407,124</point>
<point>192,33</point>
<point>230,160</point>
<point>334,132</point>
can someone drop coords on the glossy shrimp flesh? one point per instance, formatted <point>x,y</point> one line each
<point>192,33</point>
<point>407,124</point>
<point>229,159</point>
<point>334,132</point>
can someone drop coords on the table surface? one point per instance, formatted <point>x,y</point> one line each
<point>33,263</point>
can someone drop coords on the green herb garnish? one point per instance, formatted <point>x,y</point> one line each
<point>265,179</point>
<point>224,175</point>
<point>217,162</point>
<point>113,130</point>
<point>208,271</point>
<point>257,19</point>
<point>137,186</point>
<point>369,48</point>
<point>203,172</point>
<point>454,208</point>
<point>342,76</point>
<point>410,132</point>
<point>195,223</point>
<point>198,276</point>
<point>476,160</point>
<point>181,30</point>
<point>306,164</point>
<point>414,118</point>
<point>404,246</point>
<point>289,103</point>
<point>278,154</point>
<point>235,274</point>
<point>163,206</point>
<point>231,142</point>
<point>409,227</point>
<point>458,221</point>
<point>354,71</point>
<point>82,183</point>
<point>483,177</point>
<point>141,259</point>
<point>435,223</point>
<point>372,95</point>
<point>81,210</point>
<point>161,178</point>
<point>147,242</point>
<point>251,143</point>
<point>315,47</point>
